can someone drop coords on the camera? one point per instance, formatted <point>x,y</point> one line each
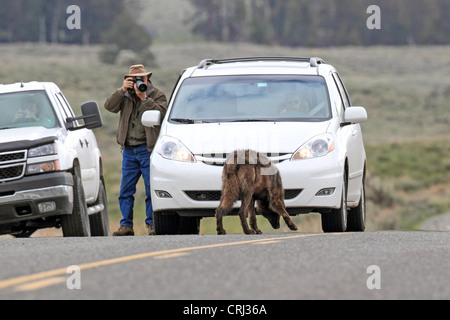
<point>140,84</point>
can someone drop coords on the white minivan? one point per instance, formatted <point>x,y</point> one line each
<point>295,110</point>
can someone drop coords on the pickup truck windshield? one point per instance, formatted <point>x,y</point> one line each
<point>26,109</point>
<point>251,98</point>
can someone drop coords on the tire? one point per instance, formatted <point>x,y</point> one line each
<point>336,220</point>
<point>357,216</point>
<point>170,223</point>
<point>166,223</point>
<point>189,225</point>
<point>77,223</point>
<point>99,222</point>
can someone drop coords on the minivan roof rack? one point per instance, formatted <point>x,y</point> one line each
<point>313,62</point>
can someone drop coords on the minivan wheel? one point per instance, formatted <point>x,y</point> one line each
<point>166,223</point>
<point>336,220</point>
<point>189,225</point>
<point>170,223</point>
<point>357,216</point>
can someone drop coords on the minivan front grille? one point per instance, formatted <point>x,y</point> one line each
<point>219,159</point>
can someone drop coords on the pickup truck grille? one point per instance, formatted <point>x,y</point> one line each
<point>12,157</point>
<point>12,165</point>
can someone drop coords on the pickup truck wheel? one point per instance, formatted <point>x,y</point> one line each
<point>77,223</point>
<point>99,221</point>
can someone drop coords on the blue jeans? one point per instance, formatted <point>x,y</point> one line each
<point>136,162</point>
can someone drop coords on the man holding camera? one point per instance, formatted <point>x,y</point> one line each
<point>136,96</point>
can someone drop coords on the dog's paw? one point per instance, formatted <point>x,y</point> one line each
<point>221,232</point>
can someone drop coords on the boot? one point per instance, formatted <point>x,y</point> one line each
<point>124,231</point>
<point>151,230</point>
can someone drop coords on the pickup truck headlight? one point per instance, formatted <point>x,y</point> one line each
<point>42,167</point>
<point>172,149</point>
<point>318,146</point>
<point>45,150</point>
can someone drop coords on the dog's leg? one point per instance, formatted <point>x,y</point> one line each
<point>264,210</point>
<point>246,201</point>
<point>220,212</point>
<point>277,205</point>
<point>230,194</point>
<point>252,217</point>
<point>276,201</point>
<point>225,206</point>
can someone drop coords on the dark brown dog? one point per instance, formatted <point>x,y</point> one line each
<point>252,177</point>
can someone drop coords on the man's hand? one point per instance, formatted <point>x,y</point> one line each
<point>141,95</point>
<point>127,84</point>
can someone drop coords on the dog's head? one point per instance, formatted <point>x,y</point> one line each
<point>273,218</point>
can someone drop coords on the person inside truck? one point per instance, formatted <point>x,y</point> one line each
<point>28,112</point>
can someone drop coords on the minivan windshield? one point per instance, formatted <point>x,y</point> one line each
<point>26,109</point>
<point>251,98</point>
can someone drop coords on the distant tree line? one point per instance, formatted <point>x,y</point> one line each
<point>323,22</point>
<point>45,20</point>
<point>101,21</point>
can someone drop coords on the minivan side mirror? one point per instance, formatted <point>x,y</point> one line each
<point>151,118</point>
<point>91,116</point>
<point>354,115</point>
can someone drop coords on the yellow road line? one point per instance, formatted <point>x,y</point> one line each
<point>172,255</point>
<point>267,242</point>
<point>62,271</point>
<point>36,285</point>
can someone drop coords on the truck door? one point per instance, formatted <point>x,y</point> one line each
<point>81,141</point>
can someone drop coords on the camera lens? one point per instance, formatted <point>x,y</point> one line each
<point>141,85</point>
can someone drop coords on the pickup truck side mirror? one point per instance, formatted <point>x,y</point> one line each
<point>354,115</point>
<point>151,118</point>
<point>91,116</point>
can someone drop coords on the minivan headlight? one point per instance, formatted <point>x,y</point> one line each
<point>318,146</point>
<point>172,149</point>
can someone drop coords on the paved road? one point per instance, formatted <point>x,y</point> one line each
<point>408,265</point>
<point>437,223</point>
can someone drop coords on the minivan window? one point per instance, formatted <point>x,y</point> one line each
<point>26,109</point>
<point>252,98</point>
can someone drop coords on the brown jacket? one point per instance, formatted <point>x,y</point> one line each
<point>122,102</point>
